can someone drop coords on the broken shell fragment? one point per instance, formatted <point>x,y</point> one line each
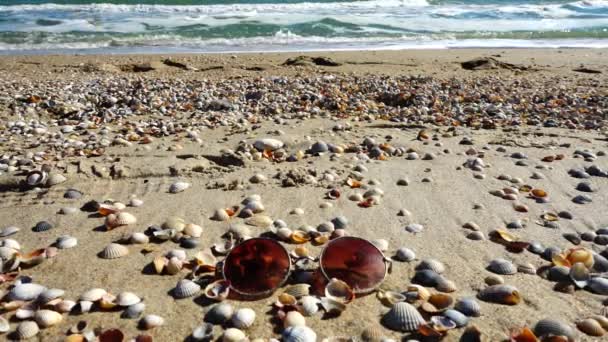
<point>218,290</point>
<point>339,291</point>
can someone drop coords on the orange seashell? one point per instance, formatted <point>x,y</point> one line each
<point>75,338</point>
<point>428,331</point>
<point>549,217</point>
<point>353,183</point>
<point>525,188</point>
<point>299,237</point>
<point>267,154</point>
<point>320,240</point>
<point>504,235</point>
<point>422,135</point>
<point>517,246</point>
<point>523,335</point>
<point>538,193</point>
<point>561,260</point>
<point>580,254</point>
<point>437,302</point>
<point>522,208</point>
<point>106,209</point>
<point>232,210</point>
<point>301,251</point>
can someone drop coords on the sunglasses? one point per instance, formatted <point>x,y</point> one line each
<point>258,266</point>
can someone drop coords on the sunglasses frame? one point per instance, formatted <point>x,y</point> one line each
<point>387,266</point>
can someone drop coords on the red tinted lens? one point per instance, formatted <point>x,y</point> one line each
<point>354,261</point>
<point>257,266</point>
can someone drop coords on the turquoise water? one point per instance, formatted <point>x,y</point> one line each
<point>122,26</point>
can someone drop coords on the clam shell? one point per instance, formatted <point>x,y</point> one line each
<point>457,317</point>
<point>134,311</point>
<point>50,294</point>
<point>502,266</point>
<point>602,320</point>
<point>136,202</point>
<point>598,285</point>
<point>220,215</point>
<point>66,241</point>
<point>299,334</point>
<point>120,219</point>
<point>389,298</point>
<point>309,305</point>
<point>54,179</point>
<point>193,230</point>
<point>151,321</point>
<point>9,231</point>
<point>186,288</point>
<point>93,295</point>
<point>233,335</point>
<point>261,221</point>
<point>178,187</point>
<point>431,264</point>
<point>437,302</point>
<point>47,318</point>
<point>426,278</point>
<point>298,290</point>
<point>114,251</point>
<point>405,254</point>
<point>36,177</point>
<point>339,291</point>
<point>548,327</point>
<point>26,291</point>
<point>500,294</point>
<point>255,207</point>
<point>174,265</point>
<point>72,194</point>
<point>85,306</point>
<point>494,279</point>
<point>220,313</point>
<point>139,238</point>
<point>7,253</point>
<point>243,318</point>
<point>526,268</point>
<point>42,226</point>
<point>590,327</point>
<point>579,274</point>
<point>127,299</point>
<point>469,307</point>
<point>445,285</point>
<point>403,317</point>
<point>294,319</point>
<point>26,330</point>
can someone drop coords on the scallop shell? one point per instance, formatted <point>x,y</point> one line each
<point>93,295</point>
<point>298,290</point>
<point>220,313</point>
<point>309,305</point>
<point>173,266</point>
<point>502,266</point>
<point>42,226</point>
<point>294,319</point>
<point>134,311</point>
<point>469,307</point>
<point>127,299</point>
<point>339,291</point>
<point>120,219</point>
<point>405,254</point>
<point>372,333</point>
<point>151,321</point>
<point>178,187</point>
<point>26,330</point>
<point>50,294</point>
<point>403,317</point>
<point>47,318</point>
<point>66,241</point>
<point>548,327</point>
<point>243,318</point>
<point>26,291</point>
<point>186,288</point>
<point>299,334</point>
<point>139,238</point>
<point>193,230</point>
<point>114,251</point>
<point>500,294</point>
<point>431,264</point>
<point>590,327</point>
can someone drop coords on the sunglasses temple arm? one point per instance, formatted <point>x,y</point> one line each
<point>389,261</point>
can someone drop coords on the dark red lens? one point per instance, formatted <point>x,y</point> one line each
<point>355,261</point>
<point>257,266</point>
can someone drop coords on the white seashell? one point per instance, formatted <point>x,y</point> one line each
<point>174,223</point>
<point>139,238</point>
<point>85,306</point>
<point>309,305</point>
<point>268,144</point>
<point>127,299</point>
<point>339,290</point>
<point>174,266</point>
<point>186,288</point>
<point>24,313</point>
<point>26,291</point>
<point>299,334</point>
<point>193,230</point>
<point>10,243</point>
<point>261,221</point>
<point>135,202</point>
<point>233,335</point>
<point>66,241</point>
<point>134,311</point>
<point>47,318</point>
<point>54,179</point>
<point>151,321</point>
<point>65,306</point>
<point>178,187</point>
<point>220,313</point>
<point>50,294</point>
<point>243,318</point>
<point>177,253</point>
<point>7,253</point>
<point>284,233</point>
<point>294,319</point>
<point>403,317</point>
<point>93,295</point>
<point>579,274</point>
<point>68,210</point>
<point>9,231</point>
<point>382,244</point>
<point>124,218</point>
<point>114,251</point>
<point>220,215</point>
<point>26,330</point>
<point>405,254</point>
<point>4,325</point>
<point>255,206</point>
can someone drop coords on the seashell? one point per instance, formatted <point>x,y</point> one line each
<point>381,244</point>
<point>526,268</point>
<point>36,177</point>
<point>580,254</point>
<point>151,321</point>
<point>42,226</point>
<point>340,222</point>
<point>85,306</point>
<point>602,320</point>
<point>445,285</point>
<point>173,266</point>
<point>107,302</point>
<point>47,318</point>
<point>339,291</point>
<point>437,302</point>
<point>309,305</point>
<point>356,197</point>
<point>294,319</point>
<point>590,327</point>
<point>538,193</point>
<point>7,253</point>
<point>178,187</point>
<point>469,307</point>
<point>431,264</point>
<point>233,335</point>
<point>326,227</point>
<point>471,225</point>
<point>579,274</point>
<point>239,231</point>
<point>494,279</point>
<point>50,294</point>
<point>457,317</point>
<point>4,325</point>
<point>134,311</point>
<point>332,306</point>
<point>403,317</point>
<point>502,266</point>
<point>299,334</point>
<point>139,238</point>
<point>573,238</point>
<point>10,243</point>
<point>127,299</point>
<point>261,221</point>
<point>300,252</point>
<point>500,294</point>
<point>220,313</point>
<point>598,285</point>
<point>114,251</point>
<point>255,207</point>
<point>220,215</point>
<point>25,312</point>
<point>417,292</point>
<point>559,274</point>
<point>390,298</point>
<point>26,291</point>
<point>93,295</point>
<point>217,290</point>
<point>372,333</point>
<point>405,254</point>
<point>189,243</point>
<point>72,194</point>
<point>186,288</point>
<point>159,264</point>
<point>65,242</point>
<point>203,332</point>
<point>65,306</point>
<point>120,219</point>
<point>26,330</point>
<point>135,202</point>
<point>284,234</point>
<point>193,230</point>
<point>243,318</point>
<point>298,290</point>
<point>426,278</point>
<point>548,327</point>
<point>476,236</point>
<point>9,231</point>
<point>414,228</point>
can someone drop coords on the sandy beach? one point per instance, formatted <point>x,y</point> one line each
<point>436,140</point>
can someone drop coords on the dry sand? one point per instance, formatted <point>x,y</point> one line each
<point>441,206</point>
